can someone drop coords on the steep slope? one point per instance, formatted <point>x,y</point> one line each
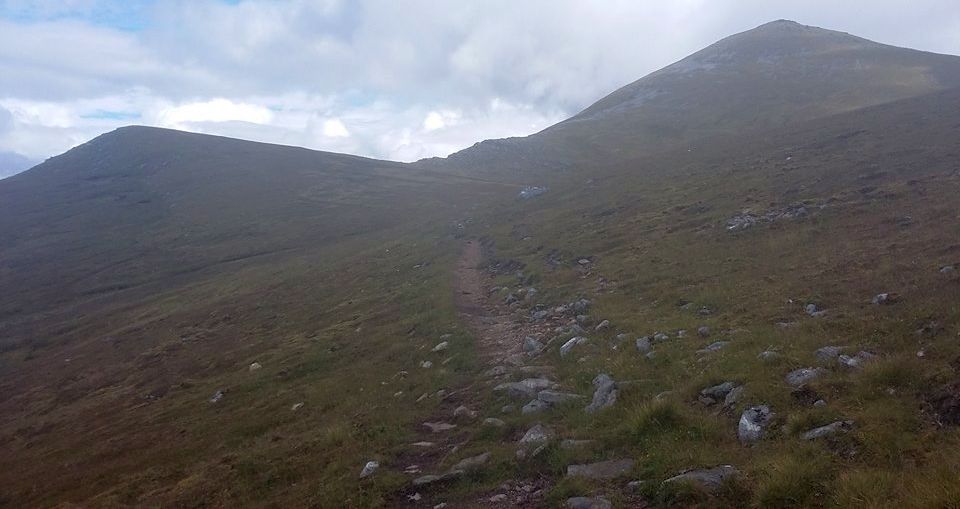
<point>774,75</point>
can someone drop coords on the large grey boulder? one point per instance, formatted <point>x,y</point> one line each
<point>605,394</point>
<point>427,480</point>
<point>802,376</point>
<point>709,479</point>
<point>753,423</point>
<point>534,441</point>
<point>643,345</point>
<point>716,393</point>
<point>602,470</point>
<point>829,430</point>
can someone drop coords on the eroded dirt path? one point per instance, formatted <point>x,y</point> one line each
<point>499,334</point>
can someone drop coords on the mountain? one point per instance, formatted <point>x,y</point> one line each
<point>12,163</point>
<point>197,321</point>
<point>771,76</point>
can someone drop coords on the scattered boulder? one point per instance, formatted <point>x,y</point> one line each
<point>531,345</point>
<point>643,344</point>
<point>602,470</point>
<point>814,310</point>
<point>438,427</point>
<point>602,326</point>
<point>494,422</point>
<point>588,503</point>
<point>582,319</point>
<point>571,343</point>
<point>733,397</point>
<point>426,364</point>
<point>462,412</point>
<point>716,393</point>
<point>713,347</point>
<point>828,430</point>
<point>510,299</point>
<point>708,480</point>
<point>570,443</point>
<point>526,388</point>
<point>753,423</point>
<point>580,306</point>
<point>855,361</point>
<point>802,376</point>
<point>471,463</point>
<point>947,269</point>
<point>499,497</point>
<point>719,391</point>
<point>705,311</point>
<point>255,366</point>
<point>605,394</point>
<point>828,354</point>
<point>534,441</point>
<point>369,469</point>
<point>441,346</point>
<point>540,315</point>
<point>534,406</point>
<point>768,356</point>
<point>296,406</point>
<point>660,337</point>
<point>217,396</point>
<point>885,298</point>
<point>819,403</point>
<point>703,331</point>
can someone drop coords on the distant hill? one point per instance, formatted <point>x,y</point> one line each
<point>12,163</point>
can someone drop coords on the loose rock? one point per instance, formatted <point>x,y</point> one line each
<point>856,361</point>
<point>524,389</point>
<point>713,347</point>
<point>534,406</point>
<point>828,430</point>
<point>471,463</point>
<point>605,394</point>
<point>602,326</point>
<point>296,406</point>
<point>441,346</point>
<point>602,470</point>
<point>753,423</point>
<point>534,441</point>
<point>217,396</point>
<point>463,412</point>
<point>768,356</point>
<point>703,331</point>
<point>255,366</point>
<point>708,480</point>
<point>531,345</point>
<point>570,344</point>
<point>828,354</point>
<point>494,422</point>
<point>369,469</point>
<point>643,344</point>
<point>437,427</point>
<point>802,376</point>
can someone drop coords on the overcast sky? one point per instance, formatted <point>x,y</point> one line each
<point>391,79</point>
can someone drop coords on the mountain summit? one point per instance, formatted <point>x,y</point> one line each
<point>773,75</point>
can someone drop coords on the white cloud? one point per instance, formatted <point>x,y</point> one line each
<point>371,77</point>
<point>214,110</point>
<point>334,128</point>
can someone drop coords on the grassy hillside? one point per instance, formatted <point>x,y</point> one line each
<point>149,270</point>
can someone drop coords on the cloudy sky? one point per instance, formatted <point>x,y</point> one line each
<point>391,79</point>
